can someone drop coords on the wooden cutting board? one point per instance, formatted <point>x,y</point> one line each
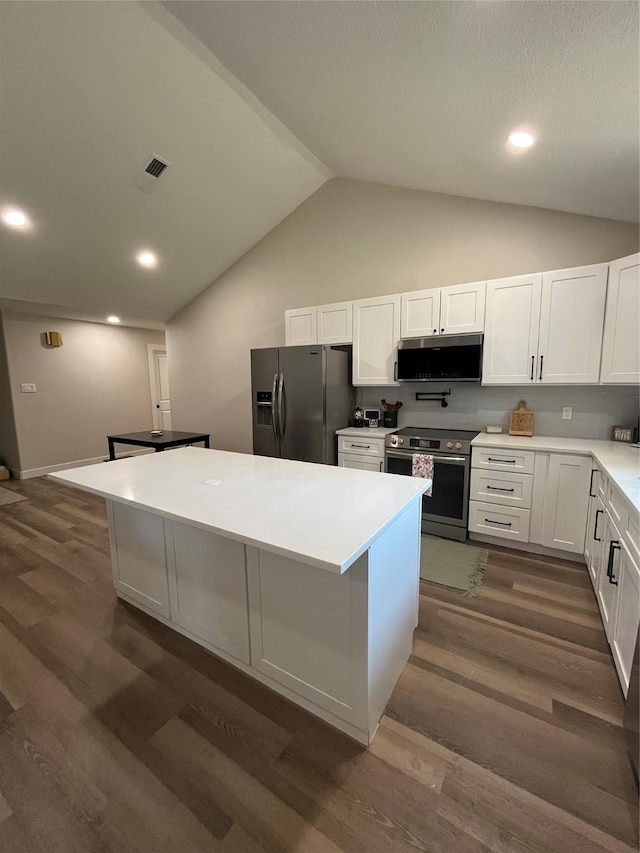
<point>521,420</point>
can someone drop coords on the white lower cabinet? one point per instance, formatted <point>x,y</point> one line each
<point>607,583</point>
<point>502,488</point>
<point>505,522</point>
<point>138,557</point>
<point>208,586</point>
<point>563,499</point>
<point>361,451</point>
<point>625,628</point>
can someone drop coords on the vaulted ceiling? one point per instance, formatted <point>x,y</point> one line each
<point>256,104</point>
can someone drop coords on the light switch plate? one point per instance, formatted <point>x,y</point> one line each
<point>28,387</point>
<point>567,413</point>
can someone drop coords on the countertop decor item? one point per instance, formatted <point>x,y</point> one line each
<point>622,433</point>
<point>521,420</point>
<point>390,416</point>
<point>493,428</point>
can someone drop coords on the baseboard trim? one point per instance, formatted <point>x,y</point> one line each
<point>529,547</point>
<point>28,473</point>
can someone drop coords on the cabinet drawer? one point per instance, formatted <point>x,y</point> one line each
<point>361,446</point>
<point>361,463</point>
<point>500,487</point>
<point>497,459</point>
<point>504,522</point>
<point>616,507</point>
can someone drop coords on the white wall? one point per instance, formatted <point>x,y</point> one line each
<point>95,384</point>
<point>347,241</point>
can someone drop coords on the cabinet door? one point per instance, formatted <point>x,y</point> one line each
<point>376,331</point>
<point>301,327</point>
<point>571,319</point>
<point>208,583</point>
<point>138,557</point>
<point>361,463</point>
<point>609,576</point>
<point>627,617</point>
<point>420,313</point>
<point>511,330</point>
<point>620,348</point>
<point>566,499</point>
<point>593,541</point>
<point>462,308</point>
<point>335,323</point>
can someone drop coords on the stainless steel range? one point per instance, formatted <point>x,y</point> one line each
<point>446,512</point>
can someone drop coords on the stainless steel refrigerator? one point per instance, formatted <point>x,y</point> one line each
<point>300,397</point>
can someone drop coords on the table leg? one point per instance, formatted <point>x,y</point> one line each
<point>158,449</point>
<point>206,441</point>
<point>112,450</point>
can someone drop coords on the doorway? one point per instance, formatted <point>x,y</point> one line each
<point>159,385</point>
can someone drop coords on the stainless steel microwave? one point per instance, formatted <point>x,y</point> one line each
<point>455,358</point>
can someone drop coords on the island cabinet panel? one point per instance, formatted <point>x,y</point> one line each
<point>308,631</point>
<point>138,556</point>
<point>208,586</point>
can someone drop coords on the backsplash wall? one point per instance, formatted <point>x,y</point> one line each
<point>595,408</point>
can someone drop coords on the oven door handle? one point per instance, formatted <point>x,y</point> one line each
<point>460,460</point>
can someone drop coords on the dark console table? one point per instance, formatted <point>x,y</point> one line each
<point>169,438</point>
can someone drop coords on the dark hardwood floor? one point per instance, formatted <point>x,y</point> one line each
<point>116,734</point>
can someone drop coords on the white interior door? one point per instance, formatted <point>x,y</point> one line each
<point>159,384</point>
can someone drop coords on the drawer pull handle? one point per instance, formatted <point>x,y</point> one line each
<point>595,526</point>
<point>502,461</point>
<point>613,546</point>
<point>501,523</point>
<point>533,358</point>
<point>591,495</point>
<point>362,446</point>
<point>498,489</point>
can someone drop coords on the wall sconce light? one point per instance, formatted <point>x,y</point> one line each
<point>53,339</point>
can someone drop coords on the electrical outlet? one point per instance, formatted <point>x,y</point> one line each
<point>28,387</point>
<point>567,413</point>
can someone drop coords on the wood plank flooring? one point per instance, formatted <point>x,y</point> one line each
<point>116,734</point>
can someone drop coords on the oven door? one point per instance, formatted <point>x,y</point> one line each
<point>450,501</point>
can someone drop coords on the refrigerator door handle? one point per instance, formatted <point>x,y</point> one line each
<point>282,409</point>
<point>274,408</point>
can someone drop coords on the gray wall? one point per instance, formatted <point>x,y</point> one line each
<point>8,437</point>
<point>348,241</point>
<point>95,384</point>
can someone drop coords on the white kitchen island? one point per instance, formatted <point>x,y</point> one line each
<point>303,576</point>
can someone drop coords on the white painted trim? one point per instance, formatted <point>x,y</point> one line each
<point>28,473</point>
<point>528,547</point>
<point>151,350</point>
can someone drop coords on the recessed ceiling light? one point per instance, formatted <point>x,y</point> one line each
<point>15,218</point>
<point>113,319</point>
<point>521,139</point>
<point>147,259</point>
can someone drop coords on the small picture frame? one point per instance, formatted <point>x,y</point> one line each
<point>622,433</point>
<point>372,417</point>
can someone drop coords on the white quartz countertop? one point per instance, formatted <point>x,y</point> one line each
<point>372,432</point>
<point>318,514</point>
<point>620,461</point>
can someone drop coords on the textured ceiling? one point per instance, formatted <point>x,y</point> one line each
<point>423,94</point>
<point>89,91</point>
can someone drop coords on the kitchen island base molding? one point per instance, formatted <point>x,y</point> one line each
<point>335,644</point>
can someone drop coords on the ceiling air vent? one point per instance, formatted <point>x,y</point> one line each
<point>147,179</point>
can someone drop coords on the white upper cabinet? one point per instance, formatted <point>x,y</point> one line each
<point>450,310</point>
<point>462,308</point>
<point>620,346</point>
<point>301,327</point>
<point>376,331</point>
<point>511,330</point>
<point>571,319</point>
<point>335,323</point>
<point>545,328</point>
<point>420,313</point>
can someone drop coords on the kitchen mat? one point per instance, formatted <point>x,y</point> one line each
<point>7,496</point>
<point>453,564</point>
